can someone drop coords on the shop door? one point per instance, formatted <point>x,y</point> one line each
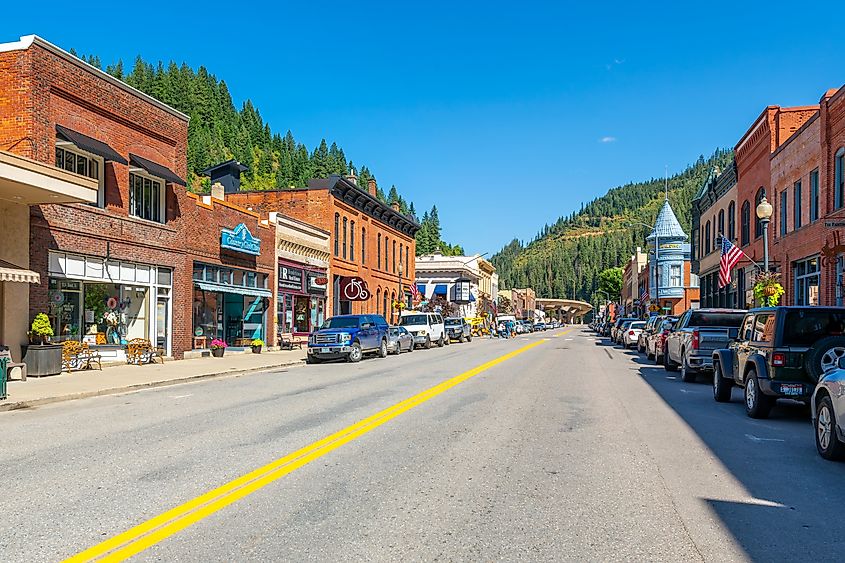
<point>233,310</point>
<point>162,322</point>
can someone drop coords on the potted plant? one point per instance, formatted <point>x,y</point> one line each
<point>256,345</point>
<point>41,357</point>
<point>218,347</point>
<point>768,289</point>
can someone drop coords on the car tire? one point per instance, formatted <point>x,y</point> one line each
<point>828,443</point>
<point>757,405</point>
<point>639,347</point>
<point>309,359</point>
<point>354,355</point>
<point>824,355</point>
<point>412,346</point>
<point>462,339</point>
<point>469,338</point>
<point>427,343</point>
<point>382,349</point>
<point>687,375</point>
<point>668,364</point>
<point>721,387</point>
<point>440,342</point>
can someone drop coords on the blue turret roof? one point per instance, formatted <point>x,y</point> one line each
<point>667,226</point>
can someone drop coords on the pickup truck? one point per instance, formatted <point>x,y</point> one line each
<point>698,332</point>
<point>348,337</point>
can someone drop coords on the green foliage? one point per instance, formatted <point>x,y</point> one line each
<point>768,289</point>
<point>41,325</point>
<point>610,282</point>
<point>428,237</point>
<point>566,258</point>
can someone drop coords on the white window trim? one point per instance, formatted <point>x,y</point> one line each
<point>70,147</point>
<point>162,206</point>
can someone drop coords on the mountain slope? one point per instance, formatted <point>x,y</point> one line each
<point>564,260</point>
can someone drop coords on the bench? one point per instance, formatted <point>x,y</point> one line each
<point>78,355</point>
<point>288,340</point>
<point>10,365</point>
<point>141,351</point>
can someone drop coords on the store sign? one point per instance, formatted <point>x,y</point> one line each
<point>317,283</point>
<point>353,288</point>
<point>835,223</point>
<point>670,246</point>
<point>462,288</point>
<point>240,239</point>
<point>290,278</point>
<point>832,248</point>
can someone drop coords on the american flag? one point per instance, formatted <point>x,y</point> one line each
<point>644,294</point>
<point>415,293</point>
<point>730,256</point>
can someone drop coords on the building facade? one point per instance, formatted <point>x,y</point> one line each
<point>631,289</point>
<point>467,281</point>
<point>673,288</point>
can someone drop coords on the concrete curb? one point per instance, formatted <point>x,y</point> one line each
<point>6,405</point>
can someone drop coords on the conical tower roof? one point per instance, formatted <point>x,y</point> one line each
<point>667,226</point>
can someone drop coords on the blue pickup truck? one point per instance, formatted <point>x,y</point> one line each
<point>348,337</point>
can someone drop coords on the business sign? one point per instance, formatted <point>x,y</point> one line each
<point>462,291</point>
<point>670,246</point>
<point>317,283</point>
<point>835,223</point>
<point>353,288</point>
<point>240,239</point>
<point>290,278</point>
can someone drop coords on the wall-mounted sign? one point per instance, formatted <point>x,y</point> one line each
<point>832,248</point>
<point>670,246</point>
<point>353,288</point>
<point>317,283</point>
<point>835,223</point>
<point>462,288</point>
<point>290,278</point>
<point>240,239</point>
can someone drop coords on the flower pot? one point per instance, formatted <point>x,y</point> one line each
<point>217,352</point>
<point>256,349</point>
<point>43,359</point>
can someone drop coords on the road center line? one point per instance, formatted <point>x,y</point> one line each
<point>151,532</point>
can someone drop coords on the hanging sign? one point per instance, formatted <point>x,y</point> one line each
<point>240,239</point>
<point>353,288</point>
<point>290,278</point>
<point>317,283</point>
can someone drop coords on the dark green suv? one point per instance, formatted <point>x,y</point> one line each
<point>780,352</point>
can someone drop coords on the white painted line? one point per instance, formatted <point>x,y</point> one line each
<point>181,396</point>
<point>754,438</point>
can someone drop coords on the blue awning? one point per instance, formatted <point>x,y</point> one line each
<point>441,289</point>
<point>251,291</point>
<point>421,288</point>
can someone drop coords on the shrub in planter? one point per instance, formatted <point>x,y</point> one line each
<point>41,330</point>
<point>218,347</point>
<point>256,345</point>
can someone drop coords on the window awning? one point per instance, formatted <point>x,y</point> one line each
<point>441,289</point>
<point>156,170</point>
<point>253,291</point>
<point>89,144</point>
<point>421,288</point>
<point>11,273</point>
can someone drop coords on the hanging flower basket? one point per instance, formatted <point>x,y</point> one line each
<point>768,289</point>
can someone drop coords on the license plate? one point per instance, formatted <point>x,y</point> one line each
<point>792,389</point>
<point>325,350</point>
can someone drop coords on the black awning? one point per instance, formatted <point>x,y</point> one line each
<point>89,144</point>
<point>156,170</point>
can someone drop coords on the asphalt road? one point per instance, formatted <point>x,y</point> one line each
<point>570,450</point>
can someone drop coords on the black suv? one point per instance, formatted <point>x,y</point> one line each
<point>780,352</point>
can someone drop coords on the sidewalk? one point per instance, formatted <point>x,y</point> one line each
<point>120,378</point>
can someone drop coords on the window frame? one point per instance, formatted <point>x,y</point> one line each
<point>337,234</point>
<point>708,242</point>
<point>731,221</point>
<point>673,268</point>
<point>363,245</point>
<point>796,205</point>
<point>783,212</point>
<point>758,223</point>
<point>67,146</point>
<point>814,195</point>
<point>839,178</point>
<point>345,233</point>
<point>352,240</point>
<point>162,207</point>
<point>721,221</point>
<point>745,223</point>
<point>378,255</point>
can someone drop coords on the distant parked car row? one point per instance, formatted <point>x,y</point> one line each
<point>770,353</point>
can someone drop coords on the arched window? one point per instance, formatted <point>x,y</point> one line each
<point>352,240</point>
<point>378,255</point>
<point>386,254</point>
<point>337,234</point>
<point>707,239</point>
<point>758,224</point>
<point>745,223</point>
<point>394,256</point>
<point>732,221</point>
<point>378,298</point>
<point>345,223</point>
<point>384,314</point>
<point>720,231</point>
<point>363,245</point>
<point>839,179</point>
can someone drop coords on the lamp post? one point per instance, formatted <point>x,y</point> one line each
<point>764,213</point>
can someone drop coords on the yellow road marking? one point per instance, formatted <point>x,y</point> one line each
<point>149,533</point>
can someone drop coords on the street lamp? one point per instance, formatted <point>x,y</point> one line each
<point>764,213</point>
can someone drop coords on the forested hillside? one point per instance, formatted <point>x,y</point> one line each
<point>218,131</point>
<point>565,258</point>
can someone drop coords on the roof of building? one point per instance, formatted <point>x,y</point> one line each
<point>667,225</point>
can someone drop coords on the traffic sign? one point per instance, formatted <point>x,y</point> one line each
<point>653,308</point>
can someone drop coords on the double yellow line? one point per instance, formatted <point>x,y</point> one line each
<point>151,532</point>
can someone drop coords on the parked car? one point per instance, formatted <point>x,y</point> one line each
<point>650,326</point>
<point>458,329</point>
<point>657,340</point>
<point>614,328</point>
<point>399,340</point>
<point>540,326</point>
<point>426,328</point>
<point>780,352</point>
<point>622,330</point>
<point>349,337</point>
<point>695,336</point>
<point>828,408</point>
<point>631,335</point>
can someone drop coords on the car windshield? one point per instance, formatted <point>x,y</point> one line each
<point>393,331</point>
<point>716,319</point>
<point>803,327</point>
<point>453,322</point>
<point>639,324</point>
<point>341,322</point>
<point>409,320</point>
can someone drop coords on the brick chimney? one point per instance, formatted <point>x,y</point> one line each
<point>395,206</point>
<point>352,177</point>
<point>218,191</point>
<point>371,186</point>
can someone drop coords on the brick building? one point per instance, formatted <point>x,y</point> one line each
<point>631,286</point>
<point>372,243</point>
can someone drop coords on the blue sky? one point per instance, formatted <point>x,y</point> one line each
<point>504,115</point>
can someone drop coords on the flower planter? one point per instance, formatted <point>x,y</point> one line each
<point>42,359</point>
<point>256,349</point>
<point>218,352</point>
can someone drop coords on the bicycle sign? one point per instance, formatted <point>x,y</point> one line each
<point>354,289</point>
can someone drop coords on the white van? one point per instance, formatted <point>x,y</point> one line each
<point>426,328</point>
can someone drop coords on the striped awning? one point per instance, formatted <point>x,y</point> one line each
<point>11,273</point>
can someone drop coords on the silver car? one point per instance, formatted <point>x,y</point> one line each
<point>828,408</point>
<point>399,340</point>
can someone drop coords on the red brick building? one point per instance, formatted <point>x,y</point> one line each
<point>370,240</point>
<point>123,266</point>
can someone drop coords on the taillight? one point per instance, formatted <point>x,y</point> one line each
<point>630,333</point>
<point>695,339</point>
<point>779,359</point>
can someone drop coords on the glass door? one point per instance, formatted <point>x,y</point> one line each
<point>163,321</point>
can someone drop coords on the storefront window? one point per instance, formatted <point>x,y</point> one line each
<point>807,280</point>
<point>205,313</point>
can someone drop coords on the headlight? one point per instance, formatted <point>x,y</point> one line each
<point>344,336</point>
<point>422,332</point>
<point>312,339</point>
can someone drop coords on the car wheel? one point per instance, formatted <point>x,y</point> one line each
<point>440,342</point>
<point>469,338</point>
<point>462,339</point>
<point>412,346</point>
<point>757,405</point>
<point>382,349</point>
<point>639,347</point>
<point>668,364</point>
<point>824,356</point>
<point>687,375</point>
<point>827,441</point>
<point>721,386</point>
<point>427,342</point>
<point>311,360</point>
<point>398,348</point>
<point>355,353</point>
